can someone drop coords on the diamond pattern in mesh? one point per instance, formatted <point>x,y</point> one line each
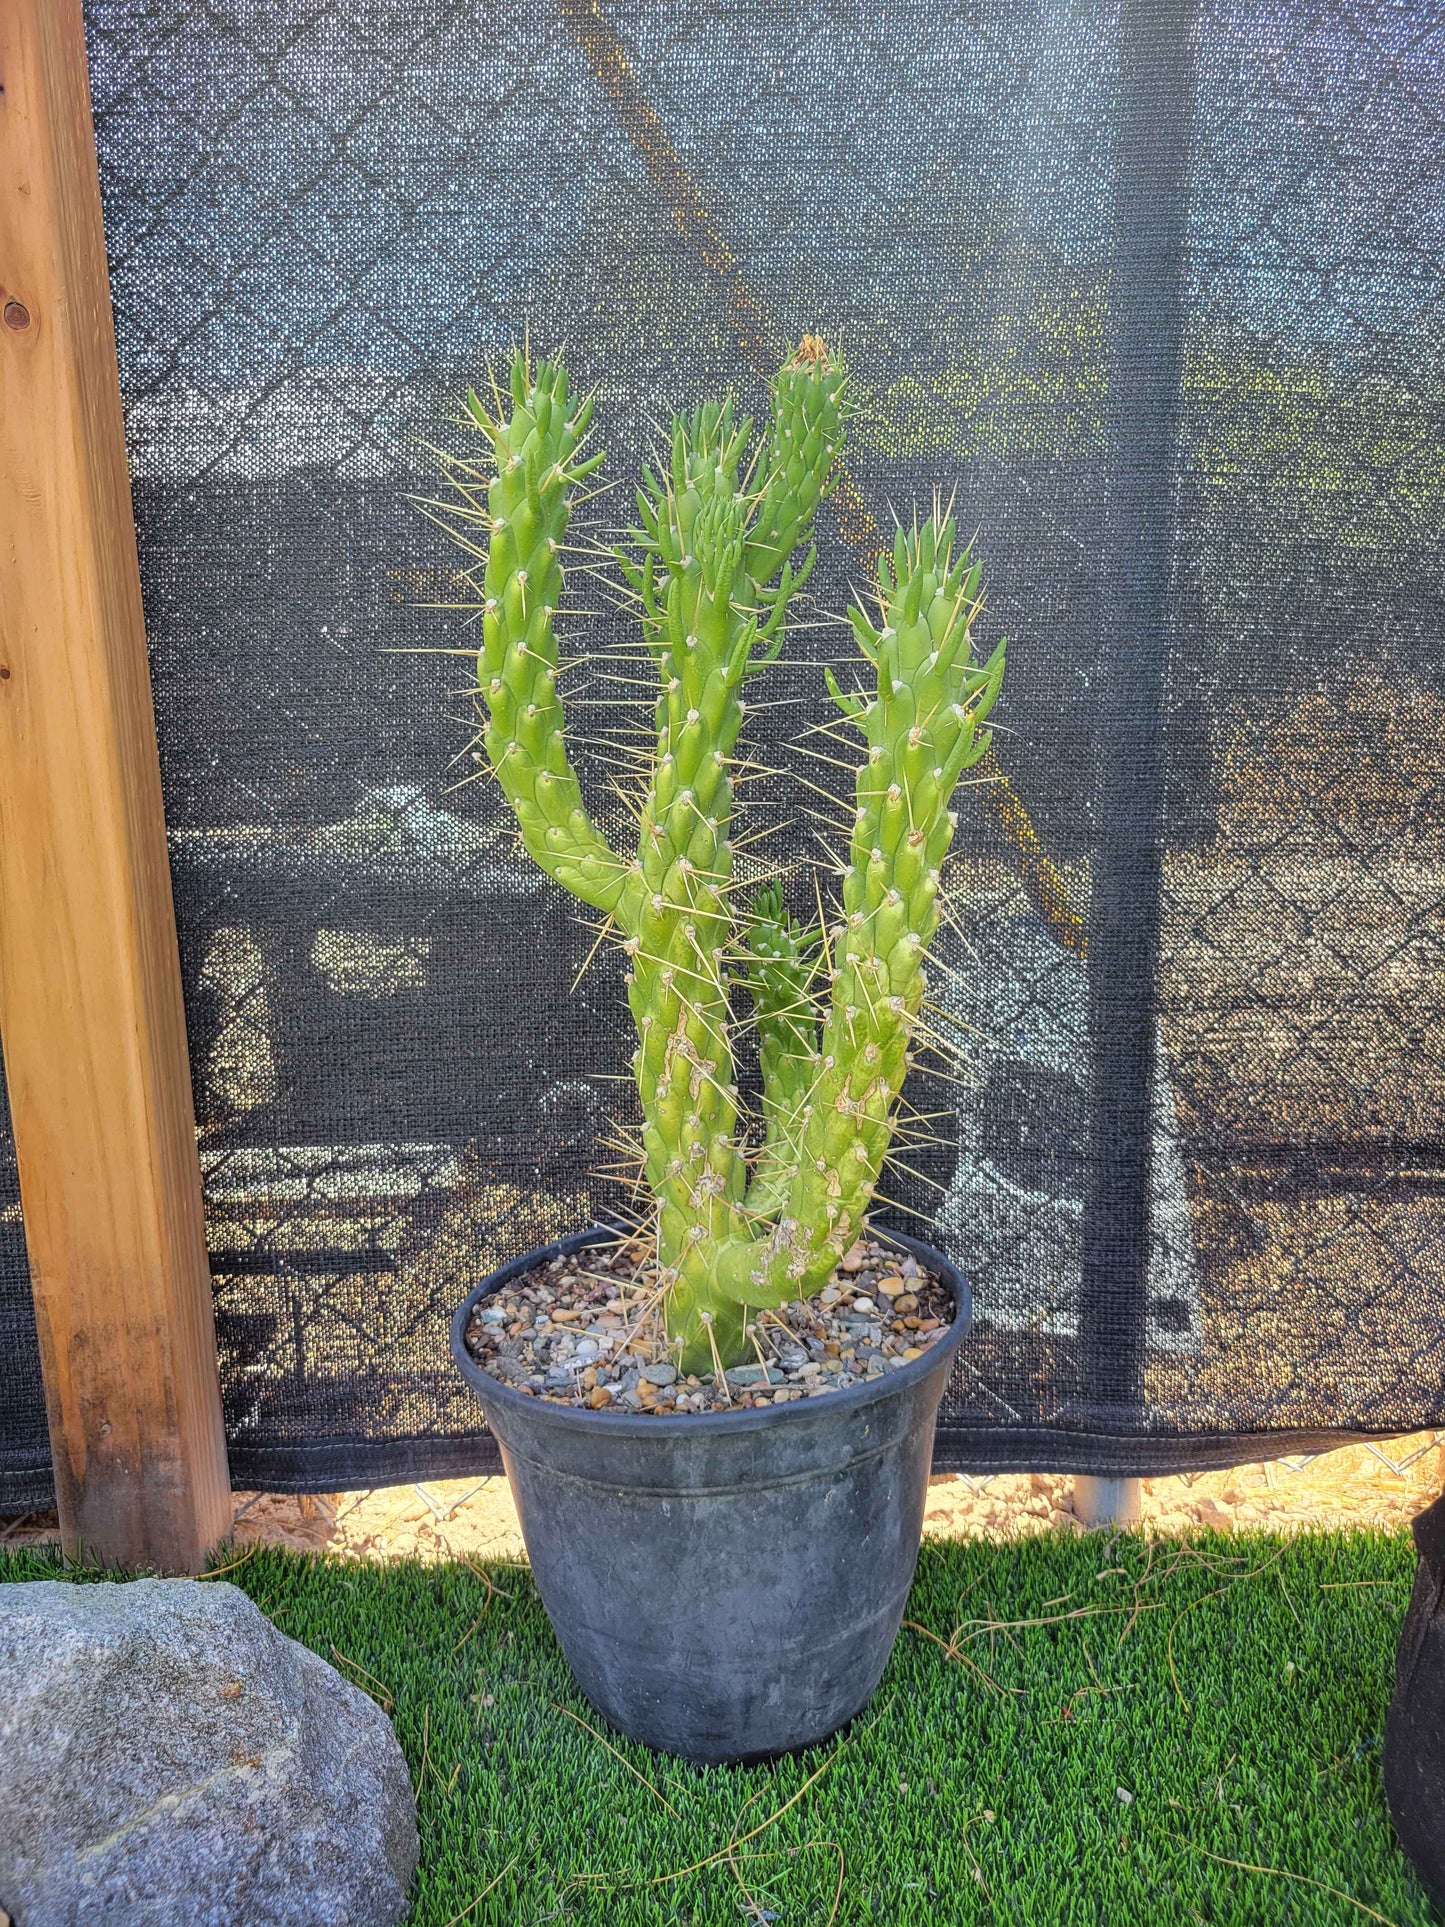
<point>326,216</point>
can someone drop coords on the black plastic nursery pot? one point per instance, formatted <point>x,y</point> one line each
<point>726,1586</point>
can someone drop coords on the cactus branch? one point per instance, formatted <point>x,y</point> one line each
<point>705,612</point>
<point>923,728</point>
<point>782,964</point>
<point>537,449</point>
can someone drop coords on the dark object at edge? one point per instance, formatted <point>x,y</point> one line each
<point>726,1586</point>
<point>1414,1752</point>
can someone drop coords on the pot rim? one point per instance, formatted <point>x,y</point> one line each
<point>855,1398</point>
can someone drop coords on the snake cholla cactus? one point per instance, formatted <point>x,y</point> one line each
<point>711,565</point>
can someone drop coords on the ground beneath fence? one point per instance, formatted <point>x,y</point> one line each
<point>1382,1485</point>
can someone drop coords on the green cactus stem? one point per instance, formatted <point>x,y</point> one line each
<point>711,563</point>
<point>537,453</point>
<point>782,968</point>
<point>922,728</point>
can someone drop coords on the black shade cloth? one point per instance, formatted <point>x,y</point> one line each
<point>24,1440</point>
<point>1156,297</point>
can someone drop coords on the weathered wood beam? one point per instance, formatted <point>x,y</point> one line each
<point>90,990</point>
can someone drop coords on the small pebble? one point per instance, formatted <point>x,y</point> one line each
<point>748,1375</point>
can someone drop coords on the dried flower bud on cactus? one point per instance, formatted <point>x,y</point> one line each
<point>712,565</point>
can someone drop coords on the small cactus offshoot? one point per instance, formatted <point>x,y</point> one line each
<point>749,1212</point>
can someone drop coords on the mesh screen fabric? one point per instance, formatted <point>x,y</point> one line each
<point>1159,295</point>
<point>25,1481</point>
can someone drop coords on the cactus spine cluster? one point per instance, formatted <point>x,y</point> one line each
<point>711,565</point>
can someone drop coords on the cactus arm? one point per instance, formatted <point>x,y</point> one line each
<point>781,966</point>
<point>696,609</point>
<point>537,448</point>
<point>923,728</point>
<point>805,438</point>
<point>705,615</point>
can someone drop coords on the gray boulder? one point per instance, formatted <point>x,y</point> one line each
<point>168,1758</point>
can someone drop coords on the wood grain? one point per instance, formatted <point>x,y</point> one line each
<point>90,998</point>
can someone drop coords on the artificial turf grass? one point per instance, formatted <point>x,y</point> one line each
<point>1239,1710</point>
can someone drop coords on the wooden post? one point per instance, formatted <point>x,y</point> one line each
<point>90,991</point>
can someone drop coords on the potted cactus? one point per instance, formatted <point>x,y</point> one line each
<point>725,1549</point>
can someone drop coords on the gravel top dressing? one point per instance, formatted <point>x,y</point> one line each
<point>587,1330</point>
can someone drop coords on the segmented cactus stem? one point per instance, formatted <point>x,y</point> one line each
<point>922,729</point>
<point>782,967</point>
<point>537,451</point>
<point>712,566</point>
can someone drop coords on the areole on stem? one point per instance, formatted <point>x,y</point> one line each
<point>739,1224</point>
